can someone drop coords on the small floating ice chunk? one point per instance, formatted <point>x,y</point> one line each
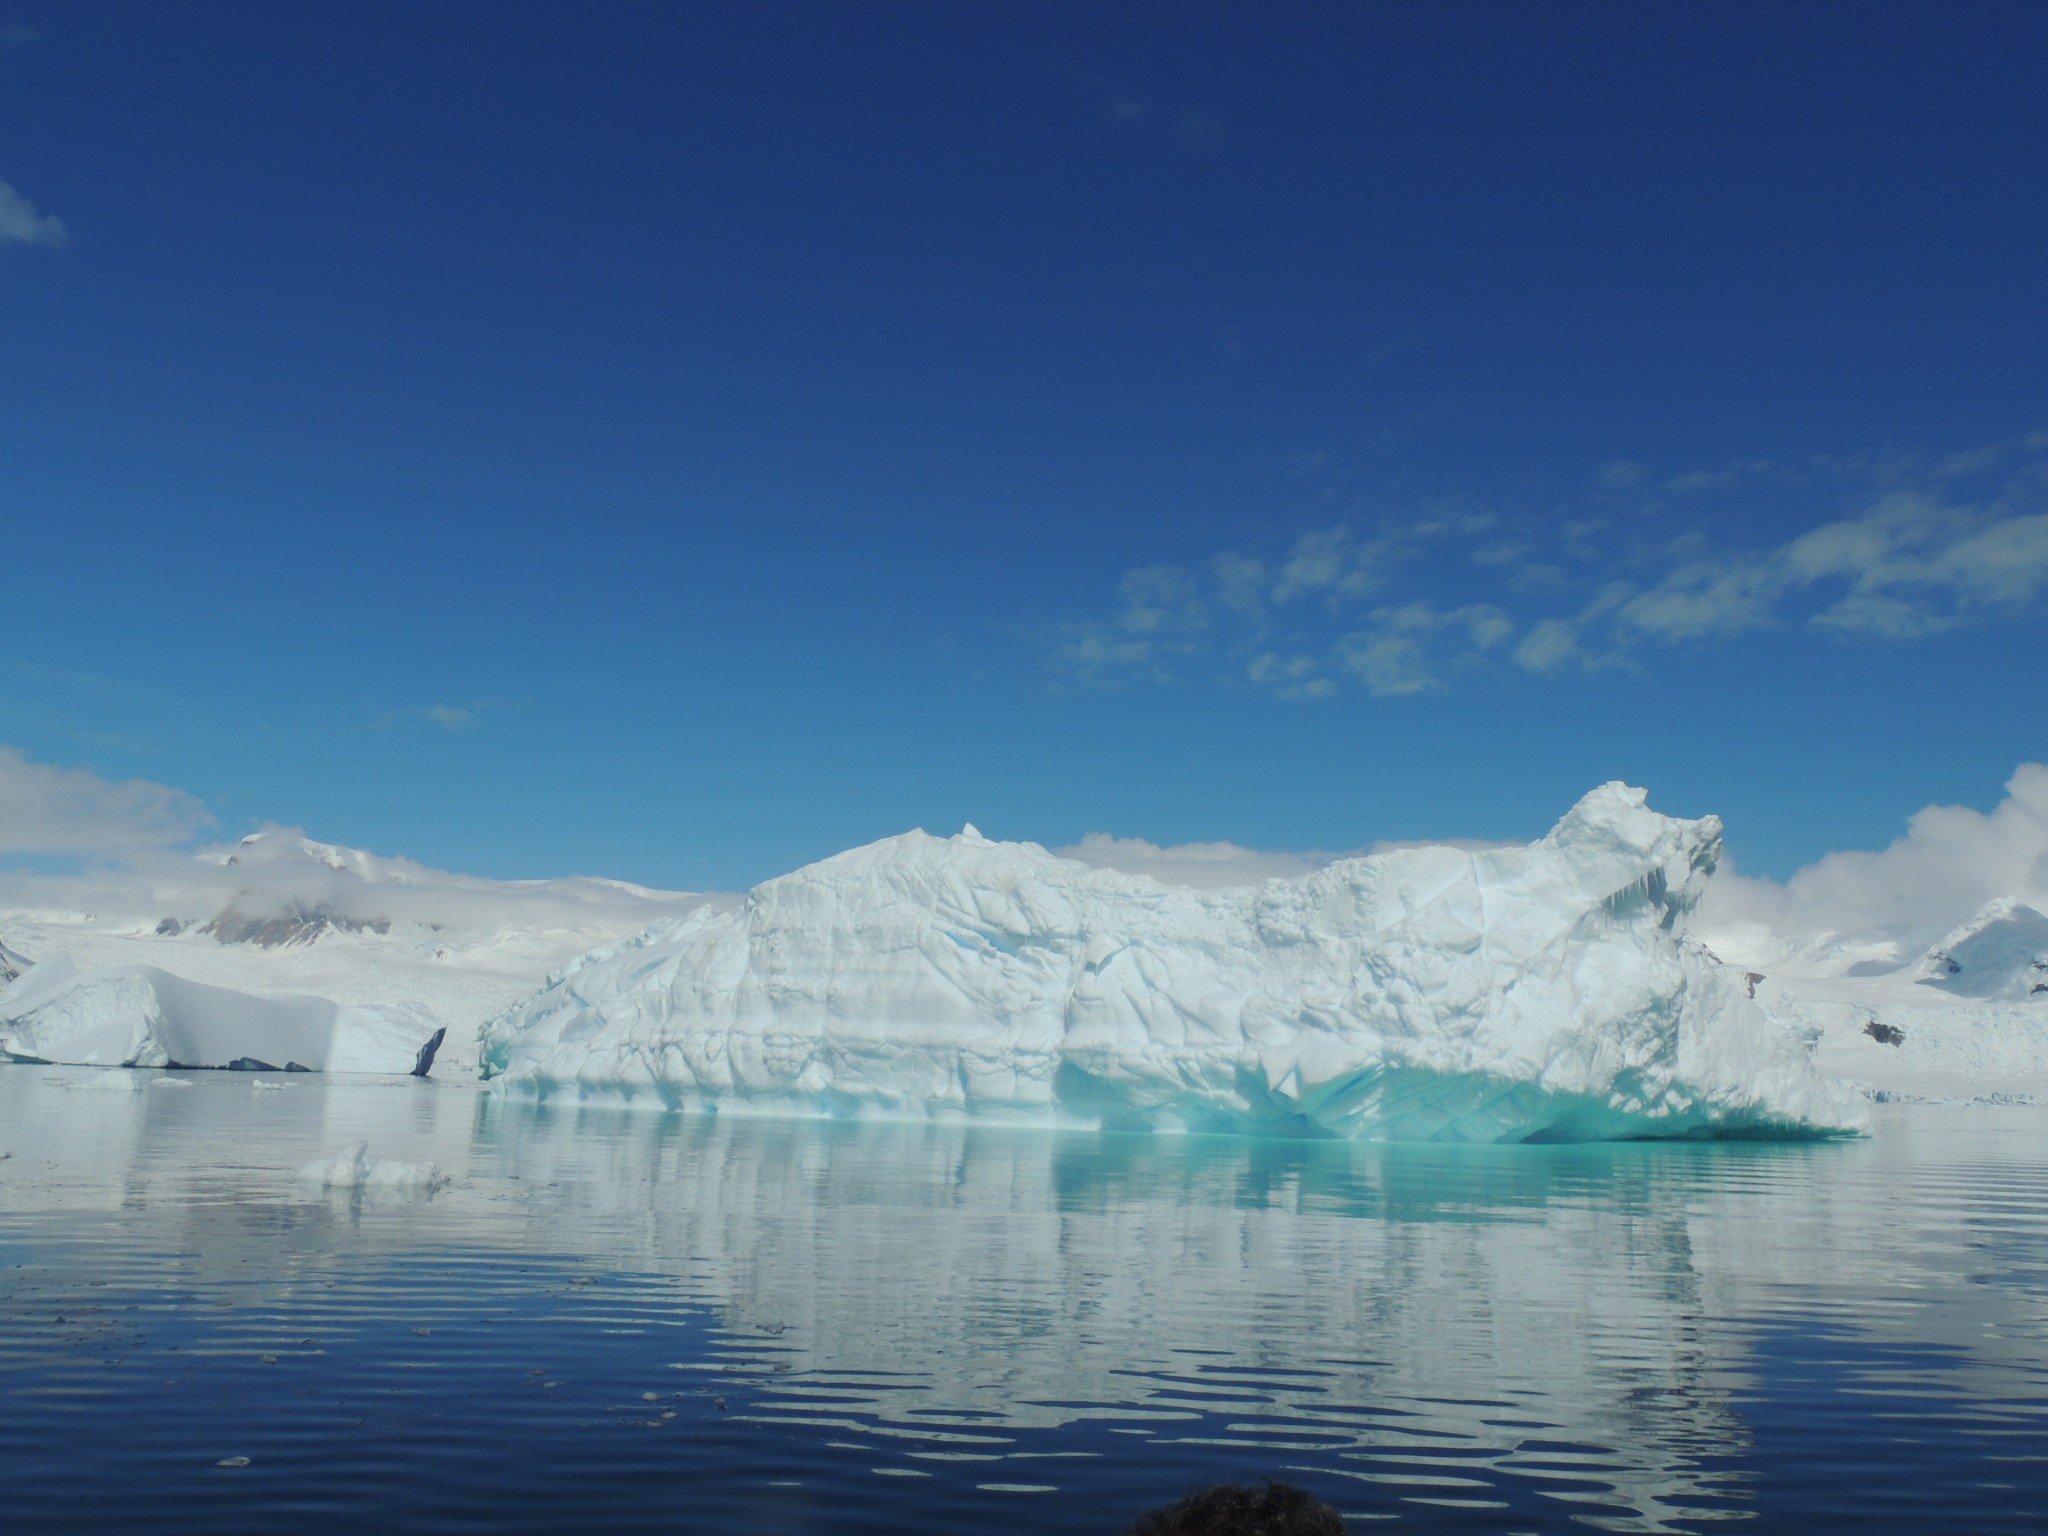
<point>112,1080</point>
<point>353,1168</point>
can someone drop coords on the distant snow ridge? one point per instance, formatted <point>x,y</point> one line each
<point>285,889</point>
<point>1543,992</point>
<point>280,913</point>
<point>2001,953</point>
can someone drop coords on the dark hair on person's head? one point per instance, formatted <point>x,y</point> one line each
<point>1273,1509</point>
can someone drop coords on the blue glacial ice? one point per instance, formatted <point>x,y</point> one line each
<point>1541,992</point>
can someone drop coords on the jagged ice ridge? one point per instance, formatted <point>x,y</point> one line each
<point>1532,993</point>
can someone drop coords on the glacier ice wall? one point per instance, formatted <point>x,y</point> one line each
<point>1529,993</point>
<point>139,1016</point>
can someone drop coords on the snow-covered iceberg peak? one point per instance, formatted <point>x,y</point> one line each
<point>1535,992</point>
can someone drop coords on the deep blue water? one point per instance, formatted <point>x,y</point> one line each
<point>630,1321</point>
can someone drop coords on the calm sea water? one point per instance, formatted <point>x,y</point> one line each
<point>627,1321</point>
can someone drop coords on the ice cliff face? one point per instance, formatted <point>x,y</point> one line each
<point>1540,992</point>
<point>139,1016</point>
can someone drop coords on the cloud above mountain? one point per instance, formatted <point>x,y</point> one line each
<point>1949,863</point>
<point>45,810</point>
<point>137,859</point>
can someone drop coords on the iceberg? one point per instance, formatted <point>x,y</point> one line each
<point>278,912</point>
<point>353,1168</point>
<point>1541,992</point>
<point>139,1016</point>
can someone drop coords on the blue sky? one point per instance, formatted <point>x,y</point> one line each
<point>680,442</point>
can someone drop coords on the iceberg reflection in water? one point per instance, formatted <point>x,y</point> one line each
<point>614,1320</point>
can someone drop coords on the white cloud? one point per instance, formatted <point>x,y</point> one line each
<point>1211,866</point>
<point>1549,647</point>
<point>1329,560</point>
<point>1160,599</point>
<point>1240,582</point>
<point>1206,866</point>
<point>49,810</point>
<point>1390,665</point>
<point>1701,480</point>
<point>1949,863</point>
<point>22,223</point>
<point>1702,598</point>
<point>1291,677</point>
<point>1103,659</point>
<point>1161,614</point>
<point>1873,613</point>
<point>1485,625</point>
<point>2005,562</point>
<point>1907,565</point>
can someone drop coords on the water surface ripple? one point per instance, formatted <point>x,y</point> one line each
<point>624,1321</point>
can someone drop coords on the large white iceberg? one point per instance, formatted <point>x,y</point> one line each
<point>1528,993</point>
<point>139,1016</point>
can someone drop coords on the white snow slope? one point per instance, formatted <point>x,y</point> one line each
<point>138,1016</point>
<point>278,912</point>
<point>1966,1021</point>
<point>1434,993</point>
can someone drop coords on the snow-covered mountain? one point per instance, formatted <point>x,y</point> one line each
<point>1965,1020</point>
<point>1388,994</point>
<point>1543,991</point>
<point>2001,953</point>
<point>281,913</point>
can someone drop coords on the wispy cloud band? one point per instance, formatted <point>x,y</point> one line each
<point>22,223</point>
<point>1402,606</point>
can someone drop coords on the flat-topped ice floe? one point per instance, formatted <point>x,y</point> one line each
<point>1544,992</point>
<point>139,1016</point>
